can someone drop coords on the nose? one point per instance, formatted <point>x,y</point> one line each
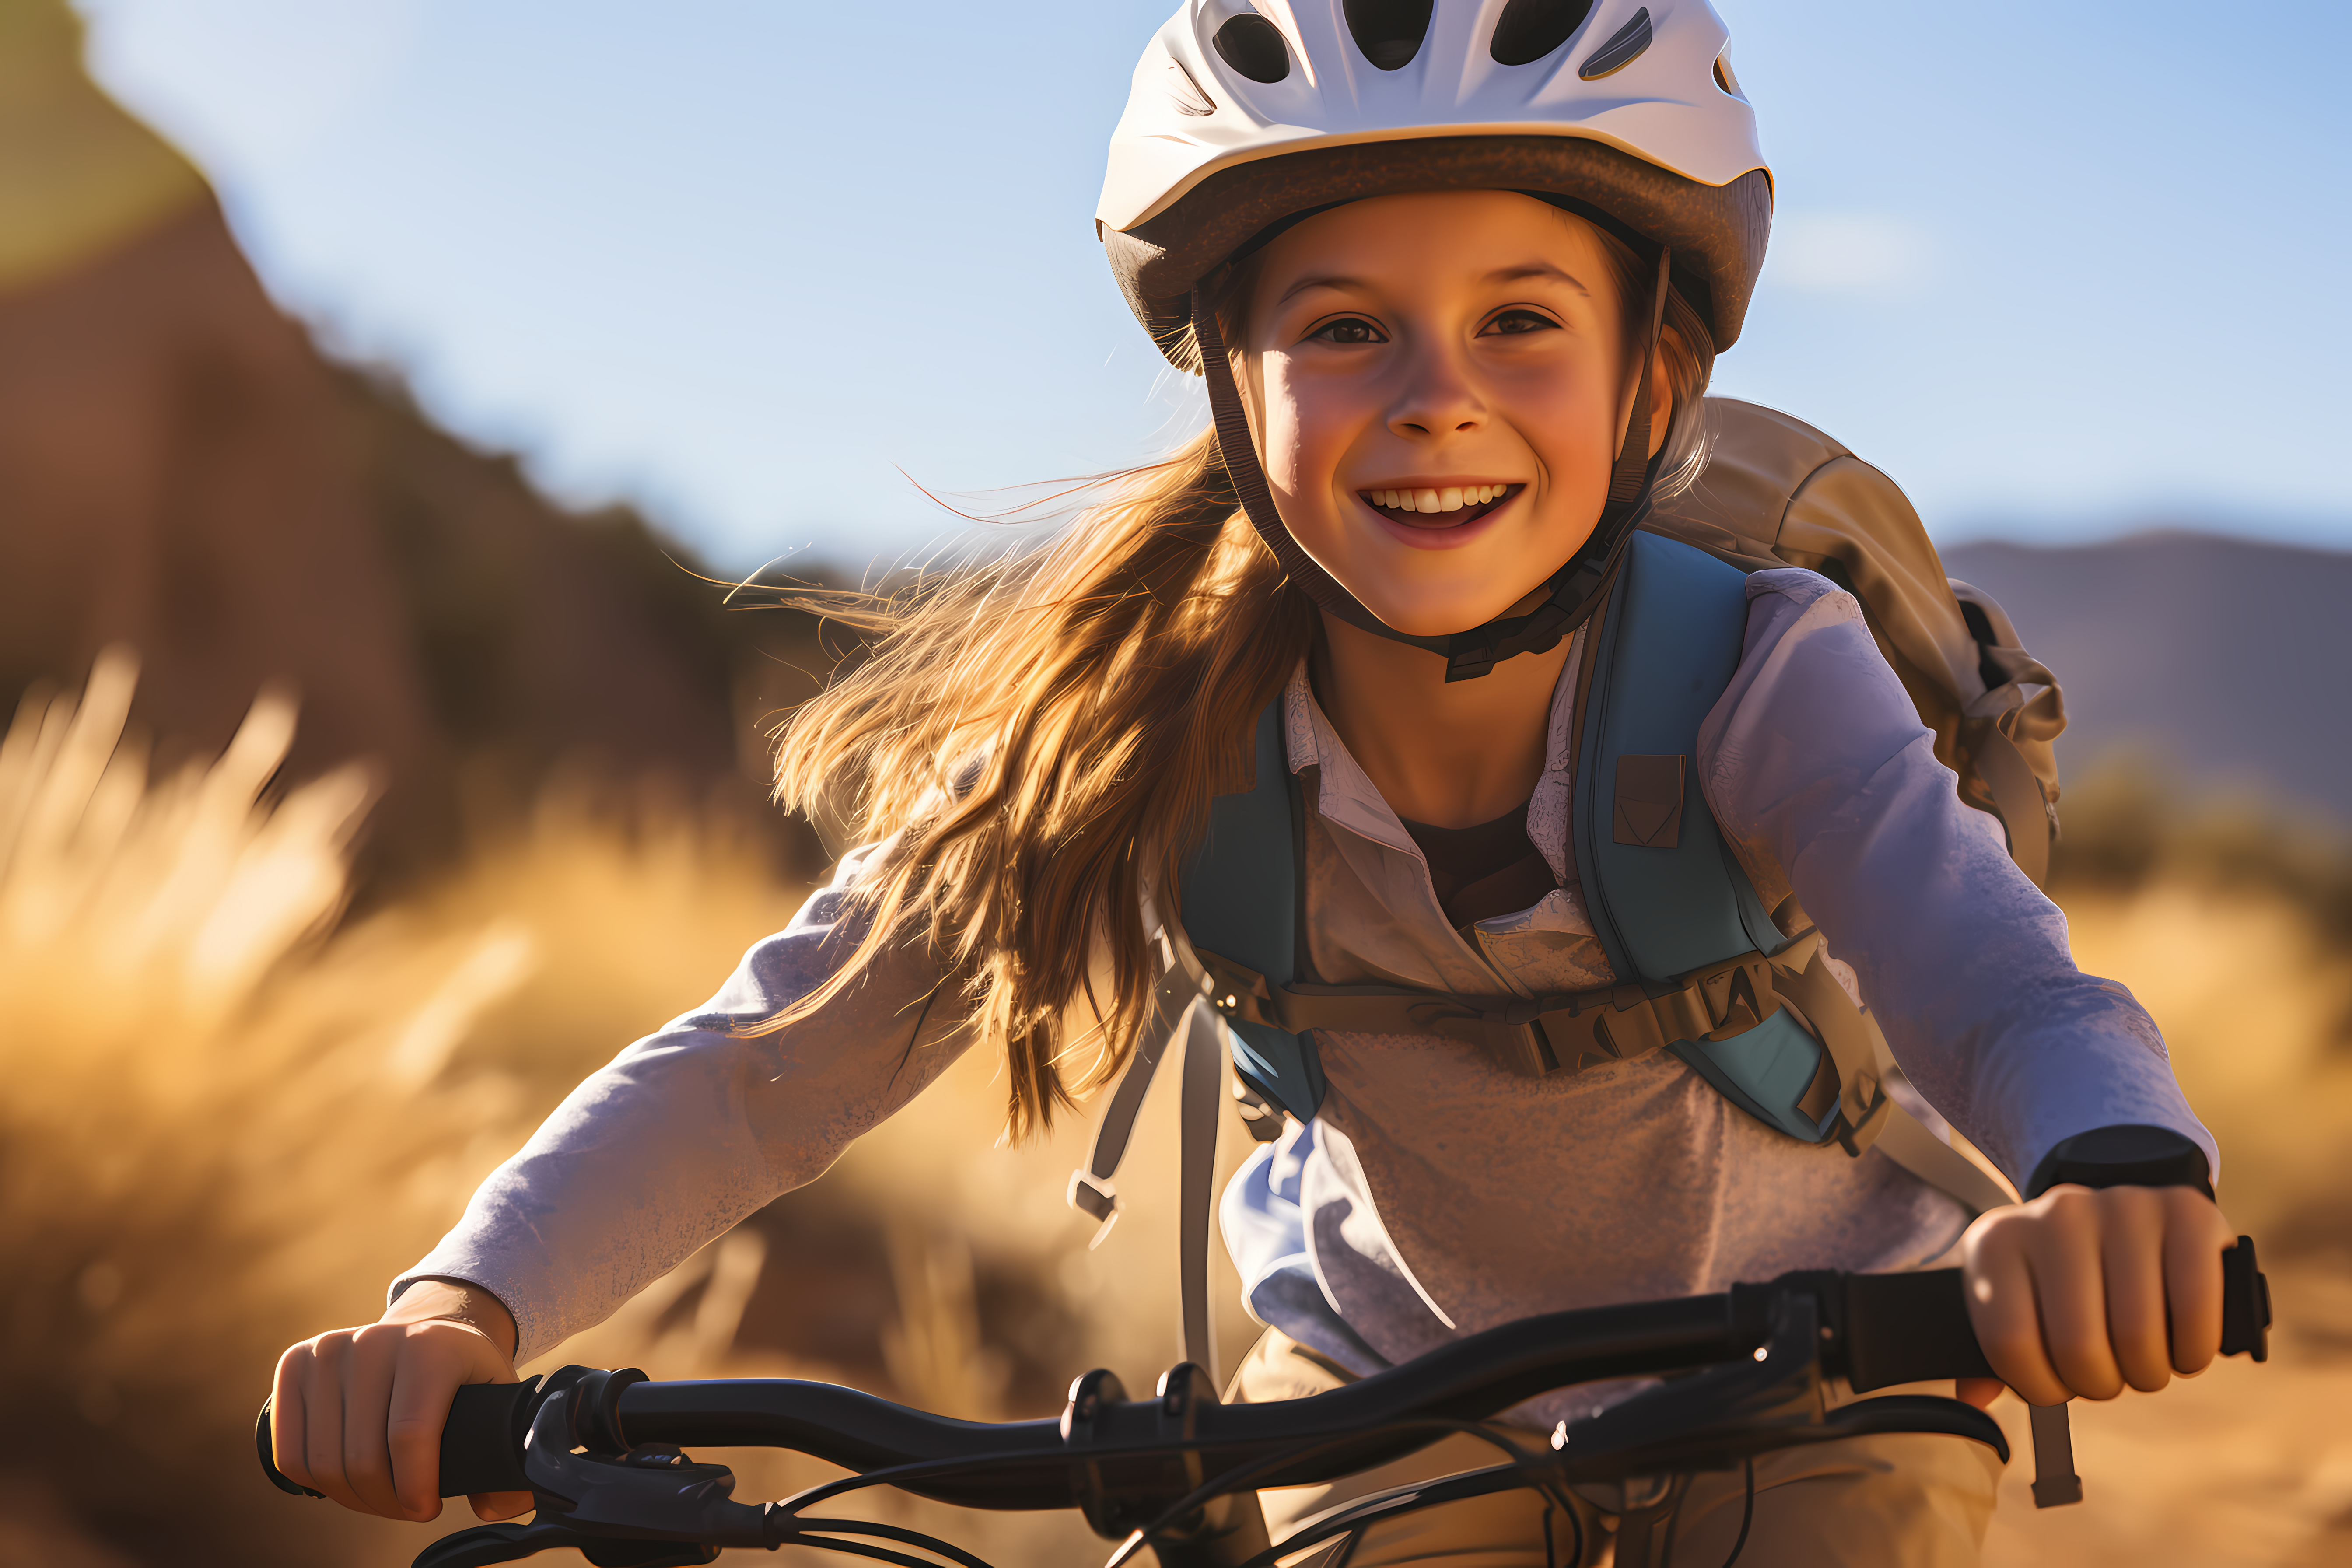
<point>1438,397</point>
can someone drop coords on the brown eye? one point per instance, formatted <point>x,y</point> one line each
<point>1513,324</point>
<point>1347,330</point>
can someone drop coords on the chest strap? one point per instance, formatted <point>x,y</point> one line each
<point>1570,1031</point>
<point>1201,995</point>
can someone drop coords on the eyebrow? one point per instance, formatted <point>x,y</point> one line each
<point>1500,275</point>
<point>1536,269</point>
<point>1303,284</point>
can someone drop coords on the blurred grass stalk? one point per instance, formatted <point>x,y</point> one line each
<point>226,1124</point>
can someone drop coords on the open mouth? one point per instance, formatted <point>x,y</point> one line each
<point>1450,507</point>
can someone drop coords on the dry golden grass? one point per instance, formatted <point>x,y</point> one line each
<point>228,1127</point>
<point>229,1121</point>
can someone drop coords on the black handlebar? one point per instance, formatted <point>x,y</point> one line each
<point>1873,1330</point>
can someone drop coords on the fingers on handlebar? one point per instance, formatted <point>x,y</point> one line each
<point>2131,1260</point>
<point>417,1406</point>
<point>495,1505</point>
<point>357,1414</point>
<point>307,1418</point>
<point>2068,1256</point>
<point>2083,1293</point>
<point>287,1419</point>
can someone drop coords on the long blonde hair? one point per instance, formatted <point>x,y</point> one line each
<point>1046,730</point>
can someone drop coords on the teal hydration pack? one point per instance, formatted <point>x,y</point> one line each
<point>1704,971</point>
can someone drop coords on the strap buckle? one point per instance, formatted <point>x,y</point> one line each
<point>1098,1198</point>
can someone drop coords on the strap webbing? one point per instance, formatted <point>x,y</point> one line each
<point>2024,808</point>
<point>1631,476</point>
<point>1204,1093</point>
<point>1540,1033</point>
<point>1566,1033</point>
<point>1093,1190</point>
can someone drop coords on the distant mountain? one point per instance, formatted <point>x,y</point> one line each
<point>2226,660</point>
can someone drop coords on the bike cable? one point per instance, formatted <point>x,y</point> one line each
<point>1398,1501</point>
<point>899,1533</point>
<point>1746,1515</point>
<point>1237,1480</point>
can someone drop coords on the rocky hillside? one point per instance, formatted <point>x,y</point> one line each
<point>182,472</point>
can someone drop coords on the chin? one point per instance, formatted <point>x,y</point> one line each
<point>1439,619</point>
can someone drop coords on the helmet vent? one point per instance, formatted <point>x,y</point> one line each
<point>1186,91</point>
<point>1389,31</point>
<point>1253,46</point>
<point>1528,30</point>
<point>1624,47</point>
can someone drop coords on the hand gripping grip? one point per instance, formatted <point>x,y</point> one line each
<point>1915,1328</point>
<point>481,1442</point>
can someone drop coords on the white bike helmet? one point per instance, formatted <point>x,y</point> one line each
<point>1243,118</point>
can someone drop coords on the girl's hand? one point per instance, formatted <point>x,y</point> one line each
<point>2082,1292</point>
<point>357,1413</point>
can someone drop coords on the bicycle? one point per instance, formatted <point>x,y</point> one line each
<point>1742,1374</point>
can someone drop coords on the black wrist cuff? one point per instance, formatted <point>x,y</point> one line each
<point>2129,1156</point>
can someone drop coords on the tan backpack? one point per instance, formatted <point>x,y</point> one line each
<point>1777,492</point>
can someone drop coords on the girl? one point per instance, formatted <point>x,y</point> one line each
<point>1456,276</point>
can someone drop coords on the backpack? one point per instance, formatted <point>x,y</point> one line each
<point>1778,492</point>
<point>1704,971</point>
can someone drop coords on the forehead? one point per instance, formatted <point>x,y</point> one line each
<point>1427,236</point>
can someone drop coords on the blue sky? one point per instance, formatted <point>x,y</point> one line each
<point>2060,268</point>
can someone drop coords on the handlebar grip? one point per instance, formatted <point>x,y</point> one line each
<point>1909,1328</point>
<point>1915,1328</point>
<point>481,1442</point>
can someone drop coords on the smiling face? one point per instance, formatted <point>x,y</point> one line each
<point>1437,382</point>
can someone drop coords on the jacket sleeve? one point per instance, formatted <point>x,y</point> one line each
<point>1816,766</point>
<point>691,1129</point>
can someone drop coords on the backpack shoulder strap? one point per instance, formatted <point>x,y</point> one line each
<point>1664,894</point>
<point>1240,903</point>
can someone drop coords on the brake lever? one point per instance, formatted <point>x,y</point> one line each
<point>645,1507</point>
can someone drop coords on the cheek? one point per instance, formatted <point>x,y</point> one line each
<point>1571,420</point>
<point>1302,432</point>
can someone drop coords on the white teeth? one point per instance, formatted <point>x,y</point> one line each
<point>1452,498</point>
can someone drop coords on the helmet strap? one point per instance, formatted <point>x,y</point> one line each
<point>1575,589</point>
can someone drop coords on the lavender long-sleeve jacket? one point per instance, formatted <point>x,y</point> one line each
<point>1436,1192</point>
